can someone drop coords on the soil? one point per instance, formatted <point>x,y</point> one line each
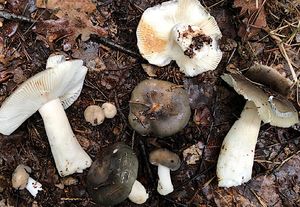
<point>114,71</point>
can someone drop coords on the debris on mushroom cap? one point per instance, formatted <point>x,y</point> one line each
<point>109,110</point>
<point>60,82</point>
<point>277,111</point>
<point>112,175</point>
<point>166,158</point>
<point>158,107</point>
<point>94,115</point>
<point>182,31</point>
<point>269,77</point>
<point>20,177</point>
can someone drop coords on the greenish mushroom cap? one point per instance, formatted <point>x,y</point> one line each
<point>158,107</point>
<point>112,174</point>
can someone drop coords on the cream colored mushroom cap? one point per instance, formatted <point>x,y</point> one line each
<point>276,111</point>
<point>159,40</point>
<point>20,177</point>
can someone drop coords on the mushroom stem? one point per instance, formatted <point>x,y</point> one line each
<point>138,193</point>
<point>68,155</point>
<point>236,158</point>
<point>165,185</point>
<point>33,186</point>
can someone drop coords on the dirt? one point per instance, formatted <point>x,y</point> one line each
<point>113,73</point>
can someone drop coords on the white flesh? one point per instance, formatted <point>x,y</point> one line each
<point>236,158</point>
<point>138,193</point>
<point>68,155</point>
<point>165,185</point>
<point>33,186</point>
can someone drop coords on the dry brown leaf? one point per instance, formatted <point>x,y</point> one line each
<point>74,20</point>
<point>254,17</point>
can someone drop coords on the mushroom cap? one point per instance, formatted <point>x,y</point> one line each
<point>112,174</point>
<point>64,81</point>
<point>180,30</point>
<point>166,158</point>
<point>158,107</point>
<point>94,115</point>
<point>20,177</point>
<point>53,60</point>
<point>269,77</point>
<point>277,111</point>
<point>109,110</point>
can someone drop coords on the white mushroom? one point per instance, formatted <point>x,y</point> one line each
<point>236,158</point>
<point>94,115</point>
<point>50,92</point>
<point>138,193</point>
<point>21,180</point>
<point>180,30</point>
<point>109,110</point>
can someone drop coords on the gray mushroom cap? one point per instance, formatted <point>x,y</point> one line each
<point>277,111</point>
<point>166,158</point>
<point>63,81</point>
<point>158,107</point>
<point>111,176</point>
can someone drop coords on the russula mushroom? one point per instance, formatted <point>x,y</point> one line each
<point>112,177</point>
<point>236,158</point>
<point>20,180</point>
<point>158,107</point>
<point>165,161</point>
<point>109,110</point>
<point>50,92</point>
<point>94,115</point>
<point>180,30</point>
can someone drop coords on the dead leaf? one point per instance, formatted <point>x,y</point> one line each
<point>192,154</point>
<point>253,17</point>
<point>74,20</point>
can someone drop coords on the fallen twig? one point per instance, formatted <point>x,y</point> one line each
<point>10,16</point>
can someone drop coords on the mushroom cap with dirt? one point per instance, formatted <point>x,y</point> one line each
<point>165,160</point>
<point>236,158</point>
<point>112,177</point>
<point>50,92</point>
<point>180,30</point>
<point>158,107</point>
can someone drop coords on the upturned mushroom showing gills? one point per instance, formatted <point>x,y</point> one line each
<point>236,158</point>
<point>50,92</point>
<point>158,107</point>
<point>112,177</point>
<point>180,30</point>
<point>165,161</point>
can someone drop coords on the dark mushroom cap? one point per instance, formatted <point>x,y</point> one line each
<point>166,158</point>
<point>158,107</point>
<point>111,176</point>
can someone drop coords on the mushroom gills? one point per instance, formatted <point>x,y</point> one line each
<point>236,158</point>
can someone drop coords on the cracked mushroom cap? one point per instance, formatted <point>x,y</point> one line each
<point>166,158</point>
<point>182,31</point>
<point>277,111</point>
<point>158,107</point>
<point>112,174</point>
<point>20,177</point>
<point>63,81</point>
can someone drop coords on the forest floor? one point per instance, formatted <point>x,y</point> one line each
<point>263,31</point>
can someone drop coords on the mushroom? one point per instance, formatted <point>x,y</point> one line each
<point>165,161</point>
<point>180,30</point>
<point>158,107</point>
<point>94,115</point>
<point>50,92</point>
<point>236,158</point>
<point>109,110</point>
<point>20,180</point>
<point>112,177</point>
